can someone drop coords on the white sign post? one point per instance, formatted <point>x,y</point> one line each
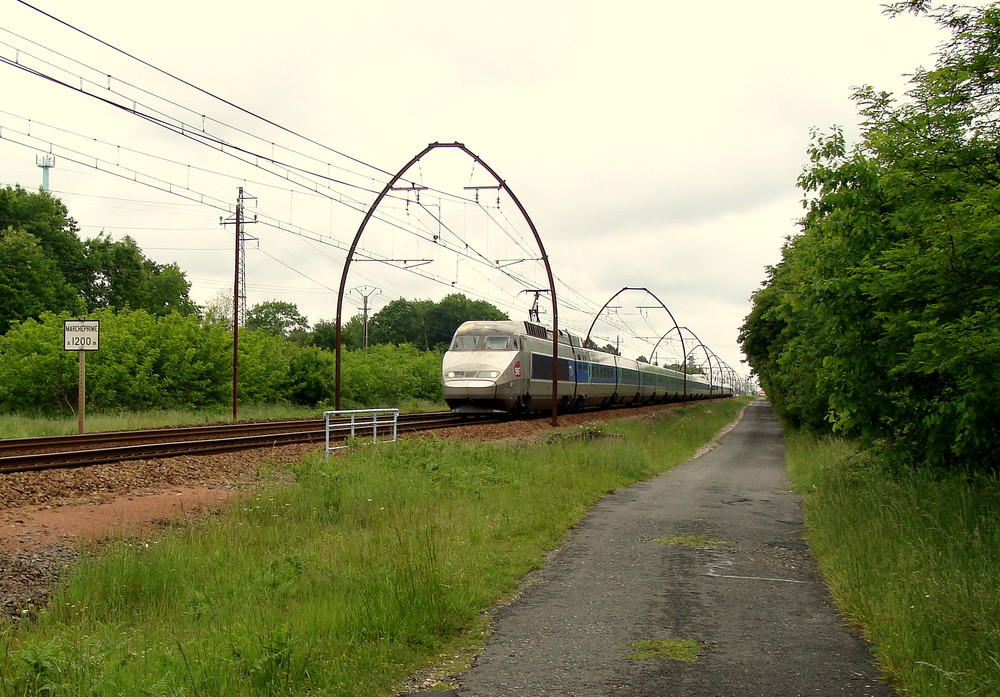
<point>81,336</point>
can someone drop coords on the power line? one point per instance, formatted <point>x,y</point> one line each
<point>302,177</point>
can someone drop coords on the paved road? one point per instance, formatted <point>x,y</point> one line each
<point>758,604</point>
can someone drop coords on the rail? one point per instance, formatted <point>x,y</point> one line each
<point>22,454</point>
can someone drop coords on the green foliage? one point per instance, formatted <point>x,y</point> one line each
<point>30,281</point>
<point>45,217</point>
<point>123,278</point>
<point>427,324</point>
<point>910,556</point>
<point>386,376</point>
<point>45,267</point>
<point>277,317</point>
<point>144,362</point>
<point>883,318</point>
<point>179,362</point>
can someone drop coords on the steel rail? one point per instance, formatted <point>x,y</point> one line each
<point>308,431</point>
<point>192,441</point>
<point>147,435</point>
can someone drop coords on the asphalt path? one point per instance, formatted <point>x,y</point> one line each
<point>748,590</point>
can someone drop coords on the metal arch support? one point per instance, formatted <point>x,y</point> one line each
<point>680,334</point>
<point>662,304</point>
<point>645,290</point>
<point>534,231</point>
<point>708,359</point>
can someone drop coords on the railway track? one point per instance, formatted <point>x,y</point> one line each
<point>22,454</point>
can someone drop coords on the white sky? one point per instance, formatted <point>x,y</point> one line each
<point>654,144</point>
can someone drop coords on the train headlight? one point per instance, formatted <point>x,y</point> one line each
<point>450,374</point>
<point>494,374</point>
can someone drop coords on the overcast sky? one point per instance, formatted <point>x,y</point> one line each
<point>654,144</point>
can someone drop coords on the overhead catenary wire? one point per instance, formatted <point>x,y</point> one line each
<point>303,177</point>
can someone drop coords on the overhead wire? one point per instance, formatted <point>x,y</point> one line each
<point>193,133</point>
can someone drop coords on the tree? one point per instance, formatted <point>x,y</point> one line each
<point>45,217</point>
<point>447,315</point>
<point>122,277</point>
<point>219,310</point>
<point>276,317</point>
<point>30,281</point>
<point>883,318</point>
<point>401,322</point>
<point>427,324</point>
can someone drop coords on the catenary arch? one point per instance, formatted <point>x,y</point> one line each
<point>534,231</point>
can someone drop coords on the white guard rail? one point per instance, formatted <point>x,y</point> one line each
<point>362,420</point>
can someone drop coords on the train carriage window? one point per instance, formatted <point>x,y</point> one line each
<point>497,343</point>
<point>464,343</point>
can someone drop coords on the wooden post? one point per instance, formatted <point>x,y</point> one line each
<point>81,394</point>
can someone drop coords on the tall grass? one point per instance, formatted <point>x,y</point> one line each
<point>362,570</point>
<point>913,558</point>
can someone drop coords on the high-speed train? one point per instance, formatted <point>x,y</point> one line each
<point>506,366</point>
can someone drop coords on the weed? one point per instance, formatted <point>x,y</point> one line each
<point>686,650</point>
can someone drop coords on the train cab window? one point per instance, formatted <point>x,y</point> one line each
<point>497,343</point>
<point>464,343</point>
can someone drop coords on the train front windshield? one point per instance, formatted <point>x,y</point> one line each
<point>484,342</point>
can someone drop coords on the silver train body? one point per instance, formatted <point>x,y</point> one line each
<point>506,367</point>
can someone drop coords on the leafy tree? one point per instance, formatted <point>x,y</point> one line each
<point>45,217</point>
<point>30,281</point>
<point>144,362</point>
<point>219,310</point>
<point>324,334</point>
<point>63,273</point>
<point>122,277</point>
<point>427,324</point>
<point>388,376</point>
<point>883,318</point>
<point>401,322</point>
<point>447,315</point>
<point>277,317</point>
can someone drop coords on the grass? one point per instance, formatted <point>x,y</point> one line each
<point>684,650</point>
<point>16,426</point>
<point>363,570</point>
<point>913,559</point>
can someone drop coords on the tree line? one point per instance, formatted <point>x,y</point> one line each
<point>882,320</point>
<point>159,349</point>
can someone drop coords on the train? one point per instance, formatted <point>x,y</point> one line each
<point>505,367</point>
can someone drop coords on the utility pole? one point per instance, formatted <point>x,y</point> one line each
<point>239,286</point>
<point>365,292</point>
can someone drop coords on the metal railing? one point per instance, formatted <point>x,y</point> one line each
<point>361,420</point>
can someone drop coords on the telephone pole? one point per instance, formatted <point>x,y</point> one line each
<point>365,292</point>
<point>239,285</point>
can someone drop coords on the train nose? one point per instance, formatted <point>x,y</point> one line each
<point>471,389</point>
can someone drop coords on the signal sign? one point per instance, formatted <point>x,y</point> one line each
<point>81,335</point>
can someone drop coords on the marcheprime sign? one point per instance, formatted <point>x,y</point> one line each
<point>81,334</point>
